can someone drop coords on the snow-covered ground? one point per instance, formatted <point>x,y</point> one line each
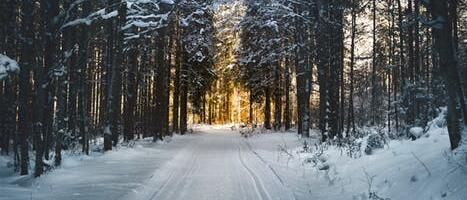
<point>417,170</point>
<point>216,163</point>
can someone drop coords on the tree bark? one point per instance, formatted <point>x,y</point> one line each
<point>277,98</point>
<point>267,108</point>
<point>27,62</point>
<point>287,117</point>
<point>303,71</point>
<point>442,31</point>
<point>161,86</point>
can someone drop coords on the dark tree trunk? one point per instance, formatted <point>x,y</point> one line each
<point>176,93</point>
<point>277,98</point>
<point>161,87</point>
<point>335,67</point>
<point>400,78</point>
<point>82,82</point>
<point>323,73</point>
<point>287,117</point>
<point>131,93</point>
<point>267,108</point>
<point>184,98</point>
<point>303,71</point>
<point>448,63</point>
<point>63,105</point>
<point>250,109</point>
<point>351,113</point>
<point>27,63</point>
<point>373,69</point>
<point>114,62</point>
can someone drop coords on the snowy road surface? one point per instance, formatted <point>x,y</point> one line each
<point>218,164</point>
<point>214,163</point>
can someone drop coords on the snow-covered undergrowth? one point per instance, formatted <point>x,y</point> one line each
<point>422,169</point>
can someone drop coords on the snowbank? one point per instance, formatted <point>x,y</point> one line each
<point>403,169</point>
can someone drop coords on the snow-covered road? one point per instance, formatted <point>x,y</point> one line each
<point>216,164</point>
<point>213,163</point>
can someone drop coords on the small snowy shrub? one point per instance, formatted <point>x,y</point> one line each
<point>318,158</point>
<point>416,132</point>
<point>375,141</point>
<point>353,147</point>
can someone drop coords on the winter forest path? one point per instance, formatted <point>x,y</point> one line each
<point>214,164</point>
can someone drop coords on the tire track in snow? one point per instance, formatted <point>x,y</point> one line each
<point>178,180</point>
<point>269,166</point>
<point>265,163</point>
<point>259,186</point>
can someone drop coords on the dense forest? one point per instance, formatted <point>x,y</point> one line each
<point>74,72</point>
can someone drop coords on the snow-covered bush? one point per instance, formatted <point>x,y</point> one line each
<point>416,132</point>
<point>375,141</point>
<point>353,147</point>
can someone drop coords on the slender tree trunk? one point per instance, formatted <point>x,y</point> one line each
<point>176,93</point>
<point>287,117</point>
<point>184,99</point>
<point>401,75</point>
<point>277,98</point>
<point>373,69</point>
<point>351,113</point>
<point>267,108</point>
<point>68,59</point>
<point>250,110</point>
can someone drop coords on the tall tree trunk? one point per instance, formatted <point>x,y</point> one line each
<point>287,113</point>
<point>82,83</point>
<point>373,69</point>
<point>68,60</point>
<point>161,86</point>
<point>114,61</point>
<point>303,71</point>
<point>401,75</point>
<point>184,98</point>
<point>131,93</point>
<point>335,67</point>
<point>447,57</point>
<point>27,63</point>
<point>323,60</point>
<point>267,108</point>
<point>176,93</point>
<point>250,109</point>
<point>277,98</point>
<point>351,113</point>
